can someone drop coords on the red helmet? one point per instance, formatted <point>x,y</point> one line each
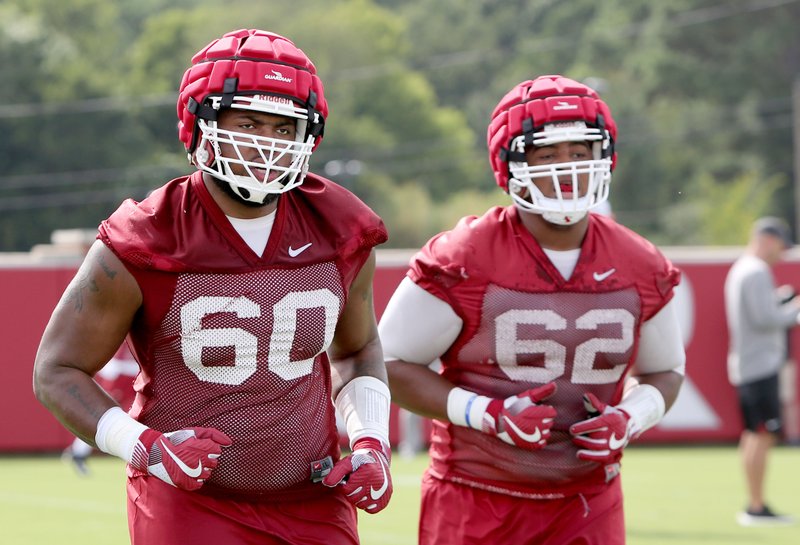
<point>258,71</point>
<point>546,111</point>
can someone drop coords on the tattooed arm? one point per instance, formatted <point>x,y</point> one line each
<point>86,328</point>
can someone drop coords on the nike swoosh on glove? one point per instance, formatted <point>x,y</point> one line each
<point>602,437</point>
<point>364,475</point>
<point>520,420</point>
<point>183,458</point>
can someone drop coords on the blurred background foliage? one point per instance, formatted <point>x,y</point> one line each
<point>701,91</point>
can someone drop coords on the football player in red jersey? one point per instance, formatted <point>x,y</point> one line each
<point>556,332</point>
<point>245,293</point>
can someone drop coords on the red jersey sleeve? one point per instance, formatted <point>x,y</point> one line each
<point>451,258</point>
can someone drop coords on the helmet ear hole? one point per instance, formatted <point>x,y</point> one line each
<point>204,155</point>
<point>519,190</point>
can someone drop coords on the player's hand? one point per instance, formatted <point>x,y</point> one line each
<point>602,437</point>
<point>521,420</point>
<point>183,458</point>
<point>364,475</point>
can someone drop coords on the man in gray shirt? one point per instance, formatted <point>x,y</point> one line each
<point>759,315</point>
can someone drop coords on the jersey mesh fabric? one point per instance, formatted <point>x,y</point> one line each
<point>212,371</point>
<point>524,326</point>
<point>230,340</point>
<point>488,364</point>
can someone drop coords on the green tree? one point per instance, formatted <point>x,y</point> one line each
<point>701,92</point>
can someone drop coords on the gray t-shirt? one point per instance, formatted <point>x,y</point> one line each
<point>757,322</point>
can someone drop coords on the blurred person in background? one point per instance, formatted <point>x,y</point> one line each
<point>245,293</point>
<point>556,330</point>
<point>759,315</point>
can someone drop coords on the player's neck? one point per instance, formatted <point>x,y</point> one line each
<point>552,236</point>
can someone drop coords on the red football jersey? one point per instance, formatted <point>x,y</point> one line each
<point>233,341</point>
<point>524,326</point>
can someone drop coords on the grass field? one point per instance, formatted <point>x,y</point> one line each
<point>681,496</point>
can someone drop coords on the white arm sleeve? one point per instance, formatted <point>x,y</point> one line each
<point>660,344</point>
<point>417,326</point>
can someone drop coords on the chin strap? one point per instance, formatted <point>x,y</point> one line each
<point>560,218</point>
<point>556,218</point>
<point>233,192</point>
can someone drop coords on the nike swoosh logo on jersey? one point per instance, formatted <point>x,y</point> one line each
<point>534,437</point>
<point>191,472</point>
<point>616,444</point>
<point>376,494</point>
<point>298,251</point>
<point>599,277</point>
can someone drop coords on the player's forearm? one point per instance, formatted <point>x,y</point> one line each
<point>361,392</point>
<point>368,361</point>
<point>416,388</point>
<point>72,397</point>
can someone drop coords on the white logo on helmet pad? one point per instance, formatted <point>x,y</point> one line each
<point>279,77</point>
<point>564,105</point>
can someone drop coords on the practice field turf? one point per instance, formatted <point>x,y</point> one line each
<point>681,496</point>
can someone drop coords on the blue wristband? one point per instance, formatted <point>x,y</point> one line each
<point>469,405</point>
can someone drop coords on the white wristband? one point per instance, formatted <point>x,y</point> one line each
<point>465,408</point>
<point>645,405</point>
<point>117,433</point>
<point>363,405</point>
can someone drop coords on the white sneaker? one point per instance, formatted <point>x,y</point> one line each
<point>764,517</point>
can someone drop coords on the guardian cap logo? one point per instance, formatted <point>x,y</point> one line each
<point>277,76</point>
<point>564,105</point>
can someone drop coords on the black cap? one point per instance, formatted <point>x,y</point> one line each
<point>776,227</point>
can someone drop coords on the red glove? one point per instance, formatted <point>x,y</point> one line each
<point>183,458</point>
<point>519,420</point>
<point>602,437</point>
<point>364,475</point>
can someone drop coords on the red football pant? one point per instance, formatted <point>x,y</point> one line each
<point>160,514</point>
<point>454,513</point>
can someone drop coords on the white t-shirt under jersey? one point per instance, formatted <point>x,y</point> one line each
<point>255,232</point>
